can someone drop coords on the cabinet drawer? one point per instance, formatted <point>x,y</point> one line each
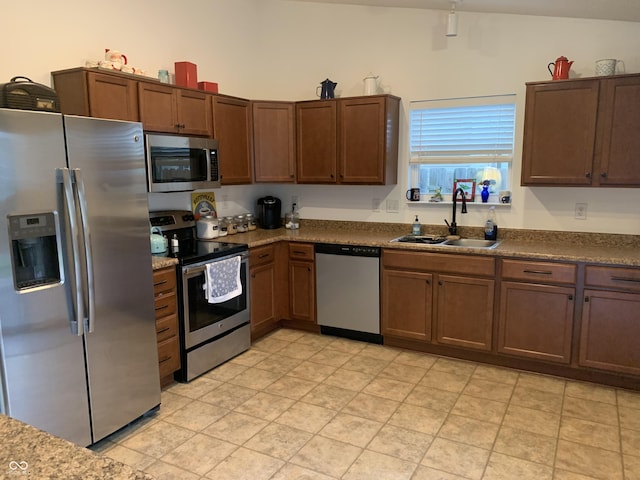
<point>261,255</point>
<point>539,272</point>
<point>613,277</point>
<point>301,251</point>
<point>166,327</point>
<point>165,304</point>
<point>164,280</point>
<point>440,262</point>
<point>168,356</point>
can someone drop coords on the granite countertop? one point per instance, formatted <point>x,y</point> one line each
<point>28,452</point>
<point>597,248</point>
<point>158,261</point>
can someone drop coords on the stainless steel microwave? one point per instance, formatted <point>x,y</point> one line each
<point>176,163</point>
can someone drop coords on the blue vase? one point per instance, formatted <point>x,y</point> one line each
<point>485,194</point>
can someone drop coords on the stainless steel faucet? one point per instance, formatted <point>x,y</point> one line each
<point>453,227</point>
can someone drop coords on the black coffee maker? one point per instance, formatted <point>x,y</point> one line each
<point>269,209</point>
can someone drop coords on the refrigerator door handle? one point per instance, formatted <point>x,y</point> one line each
<point>86,237</point>
<point>64,177</point>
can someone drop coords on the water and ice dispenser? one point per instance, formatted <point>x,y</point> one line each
<point>34,250</point>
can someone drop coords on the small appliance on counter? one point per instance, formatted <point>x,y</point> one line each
<point>269,209</point>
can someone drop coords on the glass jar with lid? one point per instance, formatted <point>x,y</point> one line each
<point>223,228</point>
<point>232,226</point>
<point>241,223</point>
<point>251,221</point>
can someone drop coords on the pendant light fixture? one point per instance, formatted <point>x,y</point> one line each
<point>452,21</point>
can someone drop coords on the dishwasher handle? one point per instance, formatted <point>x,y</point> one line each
<point>349,250</point>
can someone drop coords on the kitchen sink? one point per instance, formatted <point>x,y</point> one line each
<point>424,239</point>
<point>472,243</point>
<point>436,240</point>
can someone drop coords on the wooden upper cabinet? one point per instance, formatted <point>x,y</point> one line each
<point>94,94</point>
<point>620,123</point>
<point>348,140</point>
<point>232,129</point>
<point>368,140</point>
<point>274,141</point>
<point>559,133</point>
<point>194,113</point>
<point>158,107</point>
<point>317,144</point>
<point>582,132</point>
<point>168,109</point>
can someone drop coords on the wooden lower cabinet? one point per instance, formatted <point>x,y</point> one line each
<point>611,320</point>
<point>464,314</point>
<point>536,321</point>
<point>164,286</point>
<point>263,287</point>
<point>302,282</point>
<point>406,303</point>
<point>537,304</point>
<point>438,298</point>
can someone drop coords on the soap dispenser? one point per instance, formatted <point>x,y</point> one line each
<point>491,227</point>
<point>417,228</point>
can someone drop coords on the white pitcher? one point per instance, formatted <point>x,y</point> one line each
<point>371,84</point>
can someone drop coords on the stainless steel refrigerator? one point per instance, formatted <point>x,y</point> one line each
<point>78,352</point>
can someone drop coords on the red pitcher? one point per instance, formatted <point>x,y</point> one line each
<point>561,68</point>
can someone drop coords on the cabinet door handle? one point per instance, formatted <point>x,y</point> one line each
<point>264,255</point>
<point>428,282</point>
<point>308,269</point>
<point>160,283</point>
<point>539,272</point>
<point>625,279</point>
<point>162,307</point>
<point>586,299</point>
<point>440,282</point>
<point>165,359</point>
<point>570,297</point>
<point>163,330</point>
<point>298,252</point>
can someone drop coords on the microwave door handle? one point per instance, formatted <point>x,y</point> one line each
<point>86,237</point>
<point>64,178</point>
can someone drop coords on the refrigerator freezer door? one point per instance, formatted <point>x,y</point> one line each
<point>122,359</point>
<point>42,368</point>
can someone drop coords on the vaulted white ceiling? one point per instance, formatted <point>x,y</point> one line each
<point>627,10</point>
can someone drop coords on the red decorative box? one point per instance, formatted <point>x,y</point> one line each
<point>186,74</point>
<point>208,86</point>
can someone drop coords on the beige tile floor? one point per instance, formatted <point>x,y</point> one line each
<point>304,406</point>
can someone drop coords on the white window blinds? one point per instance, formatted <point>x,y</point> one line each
<point>465,130</point>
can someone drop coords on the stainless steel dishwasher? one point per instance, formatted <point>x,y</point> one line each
<point>348,291</point>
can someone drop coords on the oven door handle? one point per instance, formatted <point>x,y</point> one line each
<point>195,270</point>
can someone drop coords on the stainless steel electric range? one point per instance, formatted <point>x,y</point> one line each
<point>210,333</point>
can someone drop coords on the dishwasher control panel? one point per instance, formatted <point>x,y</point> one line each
<point>351,250</point>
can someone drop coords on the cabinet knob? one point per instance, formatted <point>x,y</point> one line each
<point>586,299</point>
<point>588,174</point>
<point>570,297</point>
<point>428,282</point>
<point>603,174</point>
<point>440,283</point>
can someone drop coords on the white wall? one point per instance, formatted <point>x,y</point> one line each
<point>279,49</point>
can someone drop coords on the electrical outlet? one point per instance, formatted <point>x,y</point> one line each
<point>581,211</point>
<point>375,204</point>
<point>393,206</point>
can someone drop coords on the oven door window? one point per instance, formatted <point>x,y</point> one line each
<point>178,164</point>
<point>202,313</point>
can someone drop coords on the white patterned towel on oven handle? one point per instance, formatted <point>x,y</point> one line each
<point>222,280</point>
